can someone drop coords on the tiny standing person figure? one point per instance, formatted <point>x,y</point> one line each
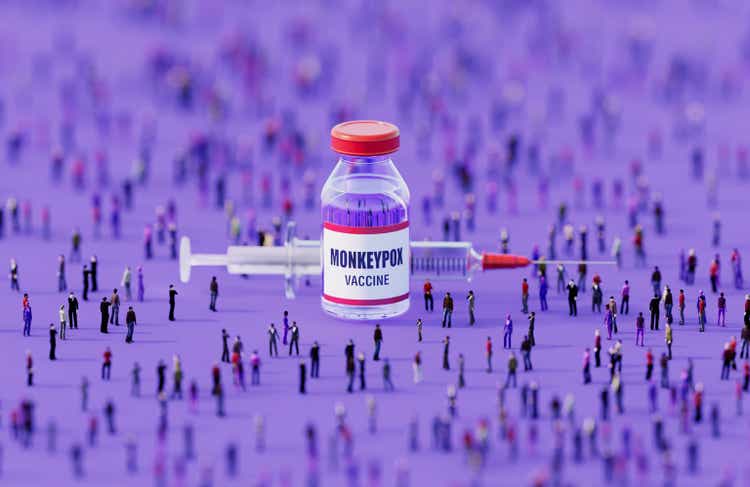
<point>52,341</point>
<point>130,322</point>
<point>214,290</point>
<point>172,295</point>
<point>104,309</point>
<point>507,332</point>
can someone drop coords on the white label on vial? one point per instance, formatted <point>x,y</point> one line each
<point>365,266</point>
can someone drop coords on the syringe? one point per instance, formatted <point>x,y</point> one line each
<point>298,258</point>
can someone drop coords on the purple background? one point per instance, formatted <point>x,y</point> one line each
<point>461,58</point>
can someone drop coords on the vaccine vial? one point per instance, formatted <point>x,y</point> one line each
<point>365,235</point>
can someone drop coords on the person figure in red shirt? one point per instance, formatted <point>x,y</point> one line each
<point>649,364</point>
<point>525,296</point>
<point>681,306</point>
<point>429,303</point>
<point>107,364</point>
<point>702,312</point>
<point>714,275</point>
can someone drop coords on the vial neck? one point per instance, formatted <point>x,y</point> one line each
<point>349,159</point>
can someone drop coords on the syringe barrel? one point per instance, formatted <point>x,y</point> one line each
<point>295,260</point>
<point>441,260</point>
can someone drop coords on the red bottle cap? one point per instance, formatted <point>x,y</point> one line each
<point>365,138</point>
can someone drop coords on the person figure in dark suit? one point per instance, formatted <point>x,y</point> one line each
<point>72,311</point>
<point>172,294</point>
<point>52,341</point>
<point>104,309</point>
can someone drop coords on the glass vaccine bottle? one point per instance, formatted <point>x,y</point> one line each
<point>365,234</point>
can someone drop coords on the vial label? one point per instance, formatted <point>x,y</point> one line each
<point>365,266</point>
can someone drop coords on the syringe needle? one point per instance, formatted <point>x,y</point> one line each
<point>506,261</point>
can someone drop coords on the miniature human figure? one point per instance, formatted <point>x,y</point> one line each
<point>294,342</point>
<point>597,348</point>
<point>664,364</point>
<point>745,336</point>
<point>130,322</point>
<point>653,308</point>
<point>224,346</point>
<point>273,334</point>
<point>72,311</point>
<point>446,348</point>
<point>713,272</point>
<point>62,283</point>
<point>417,368</point>
<point>30,369</point>
<point>114,300</point>
<point>63,324</point>
<point>26,320</point>
<point>52,341</point>
<point>668,304</point>
<point>429,303</point>
<point>461,371</point>
<point>640,325</point>
<point>75,249</point>
<point>587,366</point>
<point>507,332</point>
<point>701,304</point>
<point>447,310</point>
<point>649,364</point>
<point>378,339</point>
<point>361,361</point>
<point>84,393</point>
<point>214,290</point>
<point>726,362</point>
<point>104,310</point>
<point>488,354</point>
<point>524,296</point>
<point>656,280</point>
<point>572,297</point>
<point>543,289</point>
<point>512,366</point>
<point>737,269</point>
<point>668,339</point>
<point>560,278</point>
<point>107,364</point>
<point>14,286</point>
<point>141,286</point>
<point>127,277</point>
<point>526,352</point>
<point>722,310</point>
<point>302,377</point>
<point>86,274</point>
<point>597,296</point>
<point>315,360</point>
<point>470,301</point>
<point>387,382</point>
<point>135,380</point>
<point>255,368</point>
<point>419,329</point>
<point>94,274</point>
<point>681,306</point>
<point>350,365</point>
<point>172,295</point>
<point>692,263</point>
